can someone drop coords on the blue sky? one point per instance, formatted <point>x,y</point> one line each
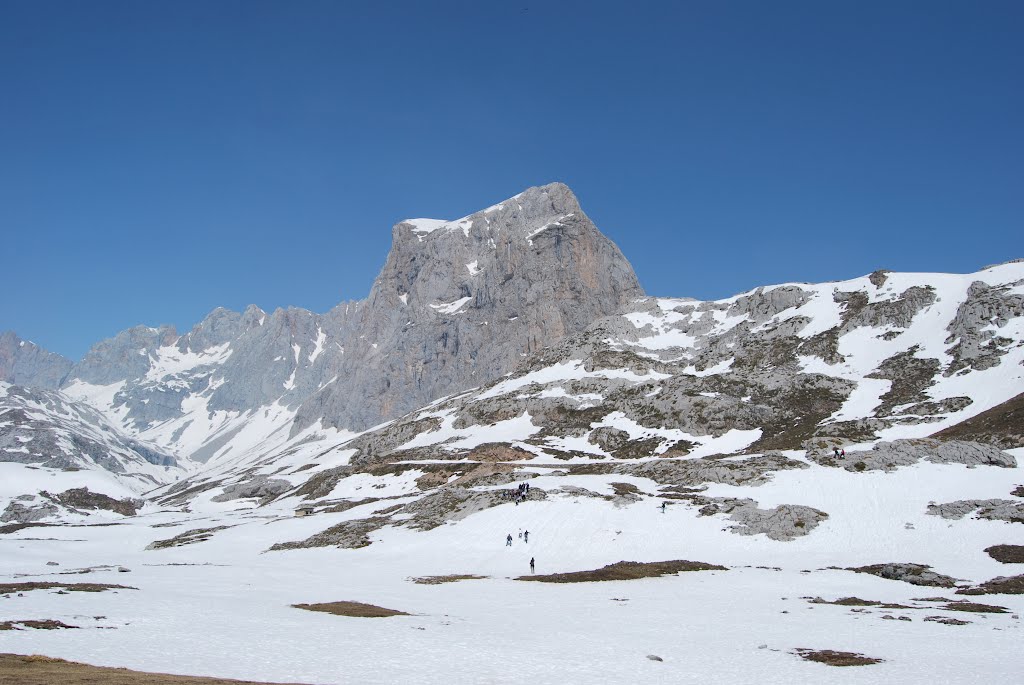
<point>159,159</point>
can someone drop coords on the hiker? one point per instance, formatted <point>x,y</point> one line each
<point>520,533</point>
<point>842,453</point>
<point>508,540</point>
<point>836,450</point>
<point>527,488</point>
<point>663,507</point>
<point>531,564</point>
<point>526,536</point>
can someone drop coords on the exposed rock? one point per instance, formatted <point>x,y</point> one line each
<point>991,509</point>
<point>81,498</point>
<point>347,535</point>
<point>975,345</point>
<point>21,513</point>
<point>915,574</point>
<point>784,522</point>
<point>946,620</point>
<point>262,487</point>
<point>190,537</point>
<point>888,456</point>
<point>690,472</point>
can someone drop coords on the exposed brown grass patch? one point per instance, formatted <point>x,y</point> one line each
<point>9,588</point>
<point>42,670</point>
<point>976,608</point>
<point>45,624</point>
<point>357,609</point>
<point>439,580</point>
<point>834,658</point>
<point>626,570</point>
<point>1007,554</point>
<point>1003,585</point>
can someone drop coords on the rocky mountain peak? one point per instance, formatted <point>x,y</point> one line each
<point>459,303</point>
<point>24,363</point>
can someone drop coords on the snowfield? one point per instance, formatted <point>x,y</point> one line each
<point>223,607</point>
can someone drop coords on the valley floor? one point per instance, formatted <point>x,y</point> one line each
<point>223,607</point>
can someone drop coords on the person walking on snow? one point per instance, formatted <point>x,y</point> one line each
<point>526,536</point>
<point>531,564</point>
<point>508,540</point>
<point>663,507</point>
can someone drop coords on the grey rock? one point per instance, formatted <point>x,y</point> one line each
<point>888,456</point>
<point>991,509</point>
<point>261,487</point>
<point>974,345</point>
<point>784,522</point>
<point>527,273</point>
<point>25,363</point>
<point>16,512</point>
<point>915,574</point>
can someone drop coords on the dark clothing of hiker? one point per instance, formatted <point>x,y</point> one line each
<point>526,536</point>
<point>531,564</point>
<point>508,540</point>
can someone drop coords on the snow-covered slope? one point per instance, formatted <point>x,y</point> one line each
<point>50,444</point>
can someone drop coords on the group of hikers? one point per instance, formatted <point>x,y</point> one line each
<point>518,495</point>
<point>523,534</point>
<point>839,452</point>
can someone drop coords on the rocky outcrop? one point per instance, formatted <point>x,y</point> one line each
<point>261,487</point>
<point>782,523</point>
<point>915,574</point>
<point>888,456</point>
<point>974,332</point>
<point>991,509</point>
<point>23,512</point>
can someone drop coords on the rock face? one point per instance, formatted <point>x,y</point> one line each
<point>457,304</point>
<point>461,303</point>
<point>25,363</point>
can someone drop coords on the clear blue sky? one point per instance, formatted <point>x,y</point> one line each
<point>159,159</point>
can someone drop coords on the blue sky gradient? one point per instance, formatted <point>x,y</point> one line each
<point>160,159</point>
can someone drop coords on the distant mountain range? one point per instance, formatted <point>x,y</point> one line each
<point>534,329</point>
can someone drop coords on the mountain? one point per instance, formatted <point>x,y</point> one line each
<point>48,442</point>
<point>686,393</point>
<point>457,304</point>
<point>25,363</point>
<point>797,477</point>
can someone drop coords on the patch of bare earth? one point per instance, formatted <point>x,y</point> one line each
<point>439,580</point>
<point>1007,554</point>
<point>10,588</point>
<point>357,609</point>
<point>858,602</point>
<point>834,658</point>
<point>976,608</point>
<point>41,670</point>
<point>1003,585</point>
<point>45,624</point>
<point>626,570</point>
